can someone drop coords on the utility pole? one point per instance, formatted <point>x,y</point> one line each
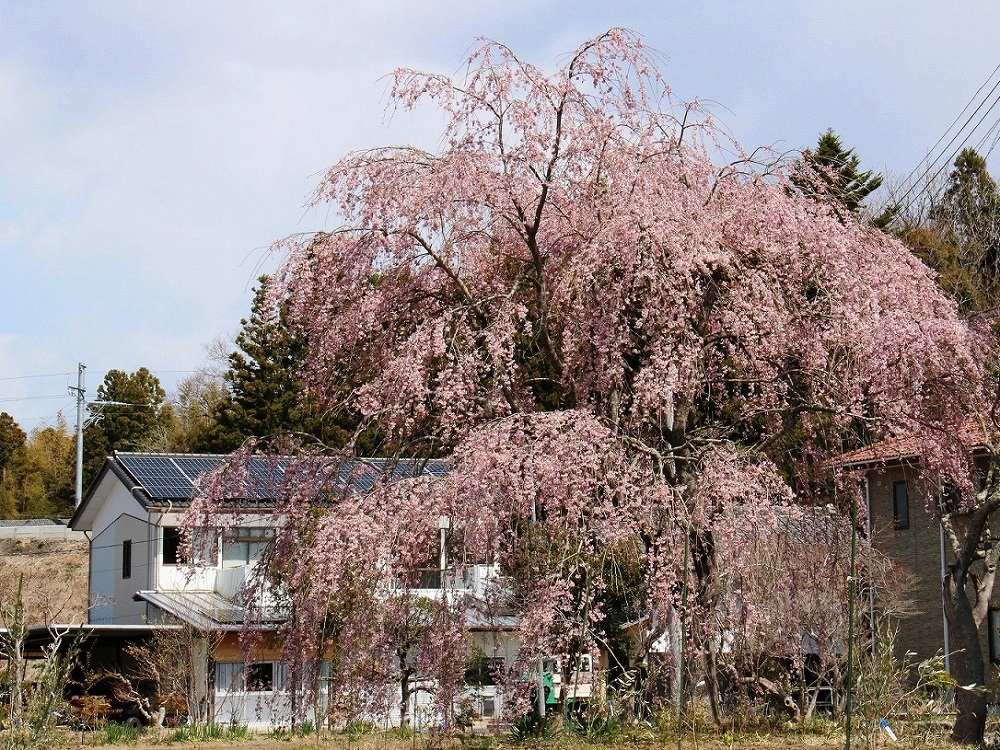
<point>81,401</point>
<point>96,414</point>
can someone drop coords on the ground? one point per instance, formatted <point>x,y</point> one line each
<point>55,579</point>
<point>55,588</point>
<point>420,742</point>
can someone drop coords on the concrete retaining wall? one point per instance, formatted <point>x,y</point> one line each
<point>39,529</point>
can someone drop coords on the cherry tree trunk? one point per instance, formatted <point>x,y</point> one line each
<point>405,691</point>
<point>967,666</point>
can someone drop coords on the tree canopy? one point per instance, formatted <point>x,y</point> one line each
<point>264,396</point>
<point>959,237</point>
<point>832,172</point>
<point>12,437</point>
<point>129,415</point>
<point>38,477</point>
<point>611,337</point>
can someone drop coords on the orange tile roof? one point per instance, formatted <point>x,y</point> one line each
<point>901,449</point>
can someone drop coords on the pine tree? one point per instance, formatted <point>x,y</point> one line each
<point>264,396</point>
<point>137,420</point>
<point>833,172</point>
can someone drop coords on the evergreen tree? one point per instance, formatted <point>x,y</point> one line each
<point>833,172</point>
<point>12,437</point>
<point>137,418</point>
<point>959,237</point>
<point>971,208</point>
<point>264,396</point>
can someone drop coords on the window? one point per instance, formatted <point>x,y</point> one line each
<point>244,545</point>
<point>172,546</point>
<point>900,505</point>
<point>260,677</point>
<point>489,707</point>
<point>127,558</point>
<point>485,671</point>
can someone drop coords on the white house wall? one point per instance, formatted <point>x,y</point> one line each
<point>111,595</point>
<point>110,501</point>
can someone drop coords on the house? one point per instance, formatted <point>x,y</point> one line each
<point>897,498</point>
<point>140,584</point>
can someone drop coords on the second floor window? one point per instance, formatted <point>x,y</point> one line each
<point>243,546</point>
<point>172,546</point>
<point>127,558</point>
<point>900,505</point>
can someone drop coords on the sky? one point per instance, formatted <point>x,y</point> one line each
<point>151,152</point>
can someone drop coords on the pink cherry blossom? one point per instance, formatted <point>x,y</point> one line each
<point>614,325</point>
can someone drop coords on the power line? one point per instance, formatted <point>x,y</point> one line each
<point>944,135</point>
<point>966,139</point>
<point>923,180</point>
<point>29,377</point>
<point>31,398</point>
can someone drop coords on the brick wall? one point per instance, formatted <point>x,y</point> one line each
<point>917,553</point>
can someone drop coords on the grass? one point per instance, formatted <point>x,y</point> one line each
<point>305,729</point>
<point>204,732</point>
<point>117,734</point>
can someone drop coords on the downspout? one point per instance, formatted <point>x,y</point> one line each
<point>871,536</point>
<point>90,588</point>
<point>155,545</point>
<point>944,614</point>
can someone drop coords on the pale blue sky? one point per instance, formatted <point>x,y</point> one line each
<point>152,151</point>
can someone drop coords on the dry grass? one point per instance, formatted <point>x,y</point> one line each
<point>55,579</point>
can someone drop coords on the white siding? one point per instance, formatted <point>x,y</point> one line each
<point>111,595</point>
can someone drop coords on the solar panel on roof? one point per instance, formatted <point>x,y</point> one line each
<point>263,478</point>
<point>174,476</point>
<point>362,478</point>
<point>195,466</point>
<point>407,468</point>
<point>437,468</point>
<point>158,475</point>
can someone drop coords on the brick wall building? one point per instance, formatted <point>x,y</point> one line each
<point>904,530</point>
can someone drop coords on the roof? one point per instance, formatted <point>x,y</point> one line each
<point>170,479</point>
<point>903,449</point>
<point>207,610</point>
<point>896,449</point>
<point>42,637</point>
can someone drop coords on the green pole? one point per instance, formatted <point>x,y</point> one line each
<point>683,651</point>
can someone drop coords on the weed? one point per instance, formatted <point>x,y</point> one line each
<point>603,729</point>
<point>730,738</point>
<point>118,734</point>
<point>404,733</point>
<point>356,729</point>
<point>475,742</point>
<point>304,729</point>
<point>202,732</point>
<point>534,726</point>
